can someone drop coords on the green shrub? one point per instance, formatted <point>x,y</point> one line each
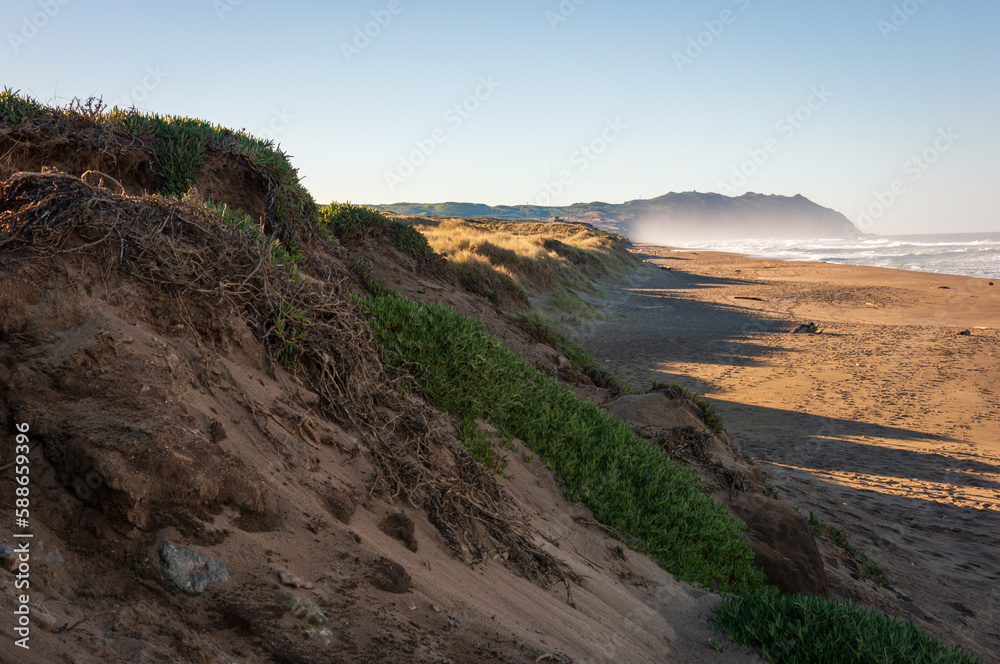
<point>408,238</point>
<point>657,505</point>
<point>179,150</point>
<point>289,328</point>
<point>16,109</point>
<point>799,629</point>
<point>352,223</point>
<point>711,416</point>
<point>284,255</point>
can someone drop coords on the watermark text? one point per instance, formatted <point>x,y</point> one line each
<point>785,130</point>
<point>913,169</point>
<point>22,532</point>
<point>365,34</point>
<point>562,13</point>
<point>714,29</point>
<point>32,25</point>
<point>901,15</point>
<point>582,159</point>
<point>454,117</point>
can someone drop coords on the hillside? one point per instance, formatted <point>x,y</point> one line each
<point>674,218</point>
<point>255,429</point>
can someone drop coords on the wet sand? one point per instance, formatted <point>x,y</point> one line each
<point>886,423</point>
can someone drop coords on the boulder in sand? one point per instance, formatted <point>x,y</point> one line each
<point>783,546</point>
<point>656,409</point>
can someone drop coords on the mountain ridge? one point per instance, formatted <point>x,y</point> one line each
<point>672,217</point>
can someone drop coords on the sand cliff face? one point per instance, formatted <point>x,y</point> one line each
<point>197,498</point>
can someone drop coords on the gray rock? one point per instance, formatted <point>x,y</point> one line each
<point>189,570</point>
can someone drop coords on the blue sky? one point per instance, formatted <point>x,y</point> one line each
<point>885,110</point>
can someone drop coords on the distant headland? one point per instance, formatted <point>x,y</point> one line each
<point>674,217</point>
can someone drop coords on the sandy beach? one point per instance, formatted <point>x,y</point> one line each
<point>885,423</point>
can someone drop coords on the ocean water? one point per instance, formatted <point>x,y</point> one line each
<point>969,254</point>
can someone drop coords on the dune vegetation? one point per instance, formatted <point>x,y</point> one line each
<point>178,142</point>
<point>655,504</point>
<point>799,629</point>
<point>551,261</point>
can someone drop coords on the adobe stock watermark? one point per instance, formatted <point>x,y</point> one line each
<point>365,34</point>
<point>900,16</point>
<point>279,122</point>
<point>562,12</point>
<point>223,7</point>
<point>138,94</point>
<point>32,25</point>
<point>453,117</point>
<point>913,169</point>
<point>785,130</point>
<point>714,29</point>
<point>582,159</point>
<point>22,520</point>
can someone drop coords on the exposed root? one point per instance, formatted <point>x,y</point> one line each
<point>688,444</point>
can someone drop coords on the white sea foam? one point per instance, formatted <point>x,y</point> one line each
<point>969,254</point>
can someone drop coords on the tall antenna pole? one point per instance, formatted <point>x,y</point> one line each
<point>552,201</point>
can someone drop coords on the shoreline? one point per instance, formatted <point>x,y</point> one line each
<point>886,424</point>
<point>949,308</point>
<point>763,250</point>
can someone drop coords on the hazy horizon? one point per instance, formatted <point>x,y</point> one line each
<point>882,111</point>
<point>673,238</point>
<point>584,202</point>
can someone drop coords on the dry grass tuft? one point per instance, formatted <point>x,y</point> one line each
<point>534,256</point>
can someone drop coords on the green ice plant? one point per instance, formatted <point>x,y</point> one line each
<point>801,629</point>
<point>658,506</point>
<point>288,328</point>
<point>350,222</point>
<point>17,109</point>
<point>178,144</point>
<point>280,254</point>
